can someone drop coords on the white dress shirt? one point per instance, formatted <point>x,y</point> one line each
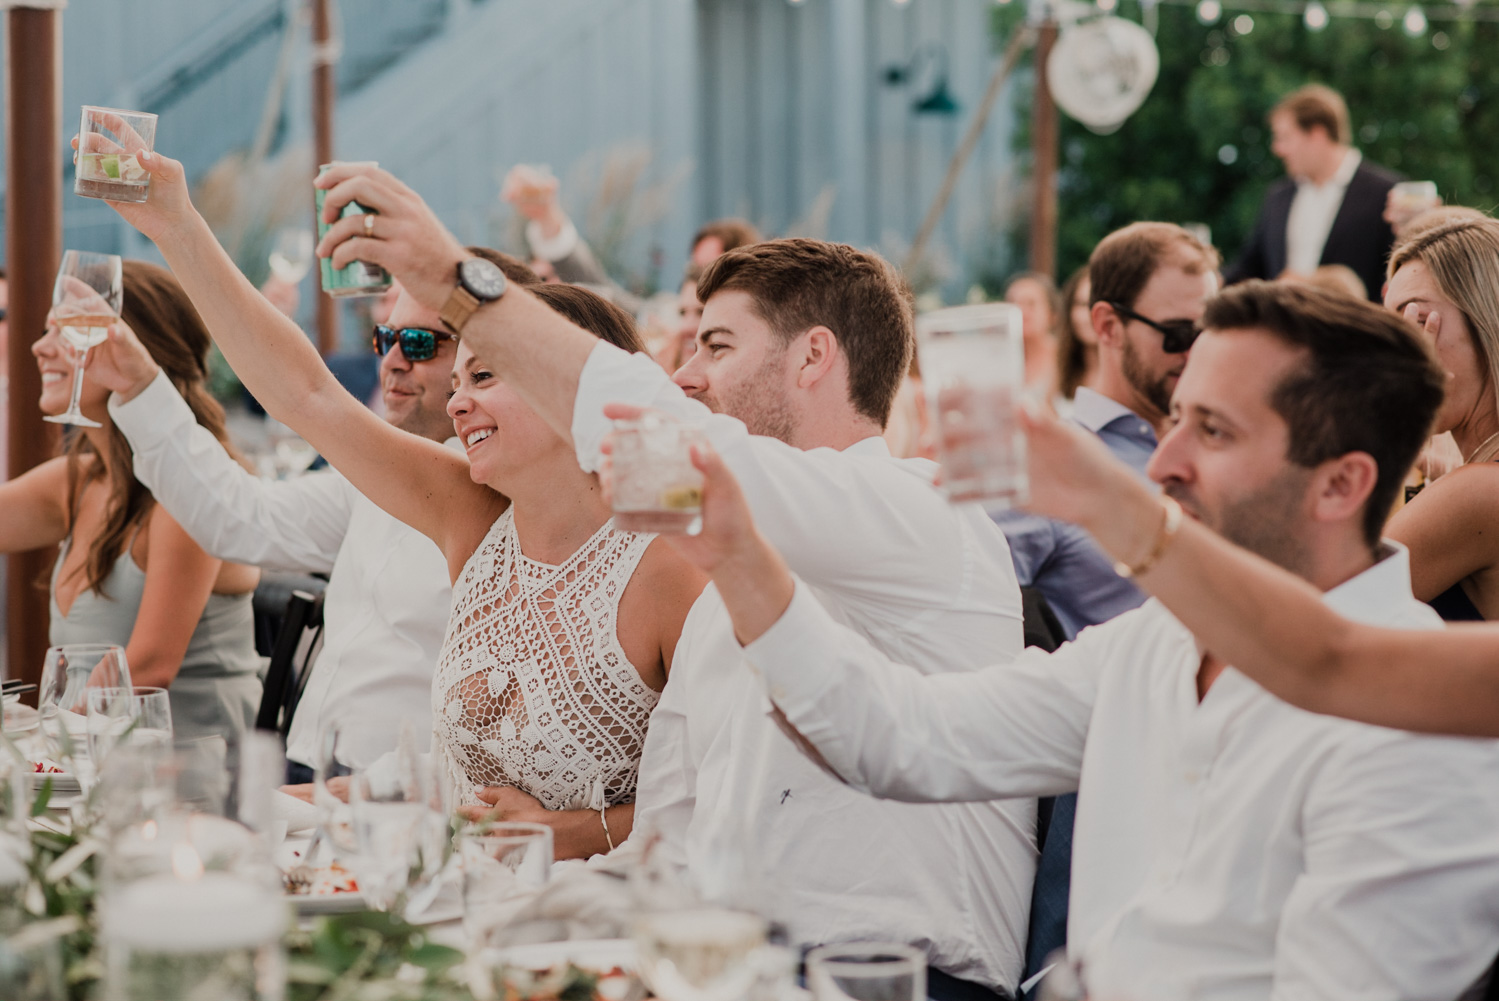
<point>1232,848</point>
<point>386,607</point>
<point>927,582</point>
<point>1313,209</point>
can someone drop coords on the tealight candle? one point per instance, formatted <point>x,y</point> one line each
<point>214,913</point>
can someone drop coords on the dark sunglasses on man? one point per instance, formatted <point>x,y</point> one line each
<point>1176,335</point>
<point>417,343</point>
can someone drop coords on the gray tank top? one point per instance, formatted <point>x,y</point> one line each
<point>217,690</point>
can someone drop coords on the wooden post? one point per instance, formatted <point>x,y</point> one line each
<point>1044,143</point>
<point>324,60</point>
<point>33,248</point>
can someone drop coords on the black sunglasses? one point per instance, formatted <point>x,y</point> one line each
<point>417,343</point>
<point>1176,335</point>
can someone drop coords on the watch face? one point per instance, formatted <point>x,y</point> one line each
<point>482,278</point>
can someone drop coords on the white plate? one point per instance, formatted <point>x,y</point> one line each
<point>21,719</point>
<point>597,955</point>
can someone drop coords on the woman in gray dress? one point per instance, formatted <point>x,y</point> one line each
<point>126,572</point>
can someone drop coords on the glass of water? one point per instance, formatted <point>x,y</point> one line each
<point>400,825</point>
<point>499,860</point>
<point>700,953</point>
<point>867,971</point>
<point>110,142</point>
<point>136,716</point>
<point>291,255</point>
<point>973,372</point>
<point>656,486</point>
<point>86,299</point>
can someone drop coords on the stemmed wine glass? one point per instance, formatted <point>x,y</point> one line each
<point>85,300</point>
<point>67,674</point>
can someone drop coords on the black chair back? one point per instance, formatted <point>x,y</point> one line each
<point>297,644</point>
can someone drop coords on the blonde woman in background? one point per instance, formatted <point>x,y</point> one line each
<point>1445,279</point>
<point>1077,344</point>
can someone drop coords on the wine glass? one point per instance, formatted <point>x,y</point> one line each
<point>85,300</point>
<point>700,954</point>
<point>291,255</point>
<point>67,674</point>
<point>400,826</point>
<point>500,859</point>
<point>134,716</point>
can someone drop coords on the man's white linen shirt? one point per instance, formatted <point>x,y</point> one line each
<point>1236,848</point>
<point>1314,207</point>
<point>386,607</point>
<point>929,583</point>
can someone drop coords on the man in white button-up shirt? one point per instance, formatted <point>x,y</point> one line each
<point>386,606</point>
<point>804,343</point>
<point>1228,845</point>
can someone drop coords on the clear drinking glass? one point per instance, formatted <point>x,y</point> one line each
<point>1409,198</point>
<point>401,833</point>
<point>140,716</point>
<point>86,299</point>
<point>700,954</point>
<point>867,971</point>
<point>499,859</point>
<point>291,255</point>
<point>656,486</point>
<point>973,374</point>
<point>110,142</point>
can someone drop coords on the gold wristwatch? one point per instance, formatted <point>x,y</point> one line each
<point>479,281</point>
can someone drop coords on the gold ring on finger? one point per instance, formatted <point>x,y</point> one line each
<point>369,225</point>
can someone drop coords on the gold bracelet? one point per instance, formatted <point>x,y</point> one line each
<point>605,821</point>
<point>1169,525</point>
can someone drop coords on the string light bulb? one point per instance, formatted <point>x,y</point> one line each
<point>1414,22</point>
<point>1315,16</point>
<point>1209,11</point>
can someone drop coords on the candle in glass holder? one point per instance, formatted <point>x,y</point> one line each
<point>215,936</point>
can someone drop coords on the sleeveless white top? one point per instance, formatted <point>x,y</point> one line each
<point>532,689</point>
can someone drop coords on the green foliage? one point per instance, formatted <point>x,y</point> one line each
<point>370,956</point>
<point>1198,149</point>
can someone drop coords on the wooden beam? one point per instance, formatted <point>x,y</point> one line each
<point>1044,143</point>
<point>324,62</point>
<point>33,249</point>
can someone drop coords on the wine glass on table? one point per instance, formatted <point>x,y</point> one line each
<point>86,299</point>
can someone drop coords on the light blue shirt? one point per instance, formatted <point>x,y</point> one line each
<point>1061,560</point>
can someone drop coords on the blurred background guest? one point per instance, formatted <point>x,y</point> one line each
<point>1329,209</point>
<point>1077,344</point>
<point>1036,296</point>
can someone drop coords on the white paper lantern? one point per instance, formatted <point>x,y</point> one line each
<point>1101,70</point>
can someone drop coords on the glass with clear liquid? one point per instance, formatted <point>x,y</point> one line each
<point>973,373</point>
<point>110,142</point>
<point>86,299</point>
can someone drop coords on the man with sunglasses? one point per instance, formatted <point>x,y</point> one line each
<point>1150,284</point>
<point>386,606</point>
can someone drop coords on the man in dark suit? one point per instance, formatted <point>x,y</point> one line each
<point>1330,210</point>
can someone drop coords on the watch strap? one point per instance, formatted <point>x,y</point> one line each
<point>460,306</point>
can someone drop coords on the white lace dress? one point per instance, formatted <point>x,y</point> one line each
<point>532,689</point>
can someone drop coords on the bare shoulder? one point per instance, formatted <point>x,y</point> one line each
<point>669,577</point>
<point>1470,491</point>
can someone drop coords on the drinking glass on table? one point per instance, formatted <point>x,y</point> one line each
<point>86,299</point>
<point>401,833</point>
<point>867,971</point>
<point>656,486</point>
<point>700,953</point>
<point>498,860</point>
<point>110,142</point>
<point>973,373</point>
<point>139,716</point>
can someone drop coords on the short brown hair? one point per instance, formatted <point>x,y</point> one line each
<point>1122,263</point>
<point>513,268</point>
<point>592,312</point>
<point>1370,383</point>
<point>1316,106</point>
<point>797,284</point>
<point>732,233</point>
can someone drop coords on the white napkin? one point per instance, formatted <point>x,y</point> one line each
<point>299,815</point>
